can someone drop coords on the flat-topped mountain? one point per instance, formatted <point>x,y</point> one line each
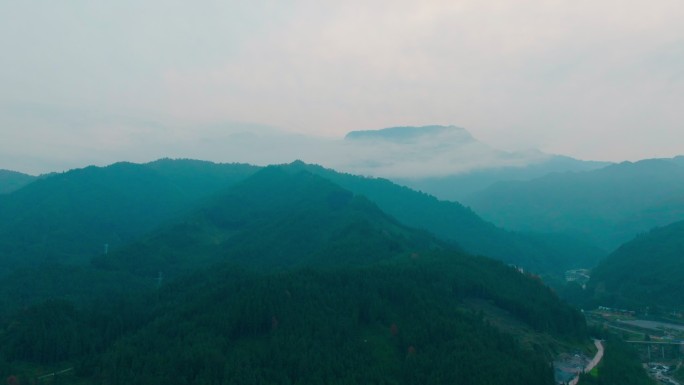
<point>419,152</point>
<point>407,134</point>
<point>446,161</point>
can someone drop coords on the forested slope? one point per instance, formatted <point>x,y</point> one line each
<point>289,278</point>
<point>402,322</point>
<point>276,219</point>
<point>647,271</point>
<point>69,217</point>
<point>12,180</point>
<point>542,253</point>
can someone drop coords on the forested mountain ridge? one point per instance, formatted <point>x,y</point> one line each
<point>356,297</point>
<point>647,271</point>
<point>69,217</point>
<point>279,218</point>
<point>11,181</point>
<point>451,221</point>
<point>608,206</point>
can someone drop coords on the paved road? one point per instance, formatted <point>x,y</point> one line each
<point>597,357</point>
<point>592,364</point>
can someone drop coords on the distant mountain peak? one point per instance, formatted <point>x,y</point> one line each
<point>435,150</point>
<point>411,133</point>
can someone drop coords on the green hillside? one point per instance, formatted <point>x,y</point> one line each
<point>69,217</point>
<point>277,219</point>
<point>79,285</point>
<point>288,278</point>
<point>407,321</point>
<point>451,221</point>
<point>11,181</point>
<point>647,271</point>
<point>391,324</point>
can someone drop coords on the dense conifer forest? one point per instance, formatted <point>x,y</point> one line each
<point>285,277</point>
<point>643,273</point>
<point>403,321</point>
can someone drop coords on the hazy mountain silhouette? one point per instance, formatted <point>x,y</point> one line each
<point>607,206</point>
<point>459,187</point>
<point>12,180</point>
<point>420,152</point>
<point>446,161</point>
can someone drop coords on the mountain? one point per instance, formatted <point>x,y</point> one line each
<point>278,219</point>
<point>420,152</point>
<point>543,253</point>
<point>287,277</point>
<point>408,134</point>
<point>458,187</point>
<point>646,271</point>
<point>69,217</point>
<point>678,160</point>
<point>12,180</point>
<point>606,206</point>
<point>445,161</point>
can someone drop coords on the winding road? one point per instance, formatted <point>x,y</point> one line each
<point>592,364</point>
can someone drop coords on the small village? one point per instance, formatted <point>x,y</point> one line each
<point>659,340</point>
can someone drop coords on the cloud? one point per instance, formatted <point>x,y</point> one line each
<point>76,138</point>
<point>591,79</point>
<point>553,73</point>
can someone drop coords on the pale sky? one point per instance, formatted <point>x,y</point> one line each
<point>86,81</point>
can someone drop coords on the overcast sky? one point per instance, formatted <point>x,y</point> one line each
<point>88,81</point>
